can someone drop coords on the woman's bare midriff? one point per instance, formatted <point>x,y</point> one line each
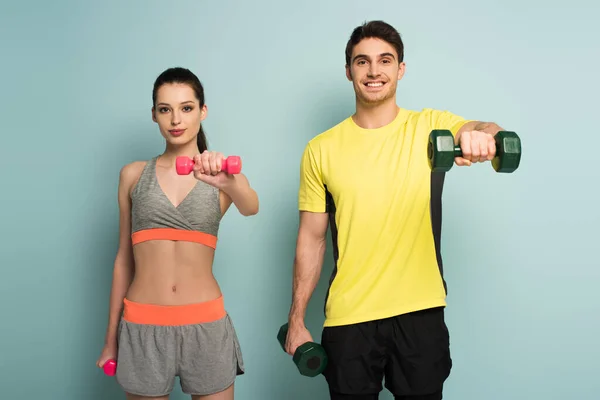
<point>173,273</point>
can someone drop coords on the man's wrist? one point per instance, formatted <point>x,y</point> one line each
<point>488,127</point>
<point>296,318</point>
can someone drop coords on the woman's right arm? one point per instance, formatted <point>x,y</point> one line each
<point>123,270</point>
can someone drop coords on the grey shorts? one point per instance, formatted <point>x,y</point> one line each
<point>195,342</point>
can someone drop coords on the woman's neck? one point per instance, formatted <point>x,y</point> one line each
<point>172,152</point>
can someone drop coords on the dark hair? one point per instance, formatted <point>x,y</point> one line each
<point>185,76</point>
<point>375,29</point>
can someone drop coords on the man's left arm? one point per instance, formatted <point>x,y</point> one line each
<point>476,140</point>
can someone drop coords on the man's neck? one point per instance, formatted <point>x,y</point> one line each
<point>375,116</point>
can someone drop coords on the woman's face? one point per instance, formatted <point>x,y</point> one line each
<point>178,113</point>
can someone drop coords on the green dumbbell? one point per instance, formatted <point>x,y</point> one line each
<point>310,357</point>
<point>441,151</point>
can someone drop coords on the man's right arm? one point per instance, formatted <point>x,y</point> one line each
<point>308,262</point>
<point>310,244</point>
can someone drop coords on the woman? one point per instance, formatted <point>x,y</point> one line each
<point>167,316</point>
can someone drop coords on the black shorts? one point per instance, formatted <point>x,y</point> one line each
<point>411,351</point>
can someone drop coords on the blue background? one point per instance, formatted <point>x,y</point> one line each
<point>520,250</point>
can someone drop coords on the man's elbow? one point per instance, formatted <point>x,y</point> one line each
<point>313,241</point>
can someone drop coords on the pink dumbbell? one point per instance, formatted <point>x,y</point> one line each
<point>230,165</point>
<point>110,367</point>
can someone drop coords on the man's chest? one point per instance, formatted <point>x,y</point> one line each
<point>387,169</point>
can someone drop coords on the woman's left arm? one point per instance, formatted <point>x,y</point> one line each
<point>240,192</point>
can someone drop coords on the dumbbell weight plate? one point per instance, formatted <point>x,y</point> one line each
<point>309,358</point>
<point>440,150</point>
<point>508,152</point>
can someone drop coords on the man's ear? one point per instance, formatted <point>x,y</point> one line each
<point>401,70</point>
<point>348,73</point>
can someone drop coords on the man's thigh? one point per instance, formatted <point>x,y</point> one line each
<point>356,360</point>
<point>418,355</point>
<point>434,396</point>
<point>337,396</point>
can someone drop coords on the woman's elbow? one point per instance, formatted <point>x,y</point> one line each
<point>251,209</point>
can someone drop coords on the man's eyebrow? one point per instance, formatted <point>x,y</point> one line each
<point>365,56</point>
<point>359,56</point>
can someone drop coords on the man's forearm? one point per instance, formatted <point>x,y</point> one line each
<point>307,270</point>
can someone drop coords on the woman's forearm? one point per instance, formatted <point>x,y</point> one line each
<point>122,277</point>
<point>242,195</point>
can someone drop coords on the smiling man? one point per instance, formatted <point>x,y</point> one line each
<point>369,180</point>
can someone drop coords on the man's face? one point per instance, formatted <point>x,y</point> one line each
<point>374,71</point>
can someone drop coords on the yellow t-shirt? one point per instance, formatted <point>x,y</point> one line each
<point>385,214</point>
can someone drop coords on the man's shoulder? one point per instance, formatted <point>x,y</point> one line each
<point>428,118</point>
<point>329,135</point>
<point>426,112</point>
<point>429,112</point>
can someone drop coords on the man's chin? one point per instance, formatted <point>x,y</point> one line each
<point>374,99</point>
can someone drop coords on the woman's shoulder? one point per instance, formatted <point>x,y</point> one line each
<point>131,172</point>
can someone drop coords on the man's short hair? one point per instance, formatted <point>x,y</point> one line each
<point>375,29</point>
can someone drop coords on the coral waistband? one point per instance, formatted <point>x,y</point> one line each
<point>174,234</point>
<point>186,314</point>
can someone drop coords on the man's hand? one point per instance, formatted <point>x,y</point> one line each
<point>476,146</point>
<point>297,335</point>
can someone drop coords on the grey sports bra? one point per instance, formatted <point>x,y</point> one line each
<point>154,217</point>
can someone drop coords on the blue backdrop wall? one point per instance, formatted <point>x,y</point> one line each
<point>520,250</point>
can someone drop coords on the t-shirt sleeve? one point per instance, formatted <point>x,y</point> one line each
<point>447,120</point>
<point>311,195</point>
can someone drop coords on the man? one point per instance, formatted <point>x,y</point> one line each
<point>369,179</point>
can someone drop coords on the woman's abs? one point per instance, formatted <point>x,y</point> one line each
<point>173,273</point>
